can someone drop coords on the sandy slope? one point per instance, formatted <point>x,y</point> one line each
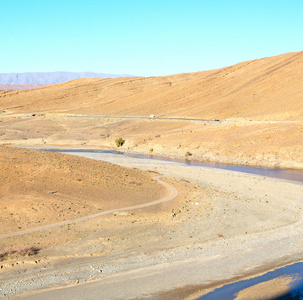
<point>267,88</point>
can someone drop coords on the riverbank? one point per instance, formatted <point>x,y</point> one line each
<point>277,172</point>
<point>235,141</point>
<point>224,226</point>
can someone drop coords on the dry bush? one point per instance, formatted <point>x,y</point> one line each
<point>17,251</point>
<point>119,142</point>
<point>188,154</point>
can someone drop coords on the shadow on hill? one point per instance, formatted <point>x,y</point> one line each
<point>297,294</point>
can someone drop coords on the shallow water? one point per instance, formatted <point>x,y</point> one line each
<point>228,292</point>
<point>288,174</point>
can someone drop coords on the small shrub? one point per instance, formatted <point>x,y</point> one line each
<point>188,154</point>
<point>119,142</point>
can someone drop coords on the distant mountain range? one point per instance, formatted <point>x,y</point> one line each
<point>20,87</point>
<point>51,77</point>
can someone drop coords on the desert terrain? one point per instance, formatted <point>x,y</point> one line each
<point>221,226</point>
<point>249,113</point>
<point>136,228</point>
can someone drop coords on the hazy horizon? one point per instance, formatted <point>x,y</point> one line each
<point>51,77</point>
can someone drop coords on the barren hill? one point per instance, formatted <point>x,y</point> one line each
<point>267,88</point>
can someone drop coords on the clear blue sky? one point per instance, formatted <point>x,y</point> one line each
<point>144,37</point>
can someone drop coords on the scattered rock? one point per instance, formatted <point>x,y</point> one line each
<point>53,192</point>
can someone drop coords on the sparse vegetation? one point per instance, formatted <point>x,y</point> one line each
<point>188,154</point>
<point>135,182</point>
<point>14,252</point>
<point>119,142</point>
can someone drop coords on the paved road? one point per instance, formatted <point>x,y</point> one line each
<point>173,194</point>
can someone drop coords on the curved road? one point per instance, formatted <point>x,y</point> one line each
<point>173,194</point>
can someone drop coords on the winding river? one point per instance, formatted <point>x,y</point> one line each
<point>228,291</point>
<point>288,174</point>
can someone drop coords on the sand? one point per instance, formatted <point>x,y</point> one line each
<point>271,289</point>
